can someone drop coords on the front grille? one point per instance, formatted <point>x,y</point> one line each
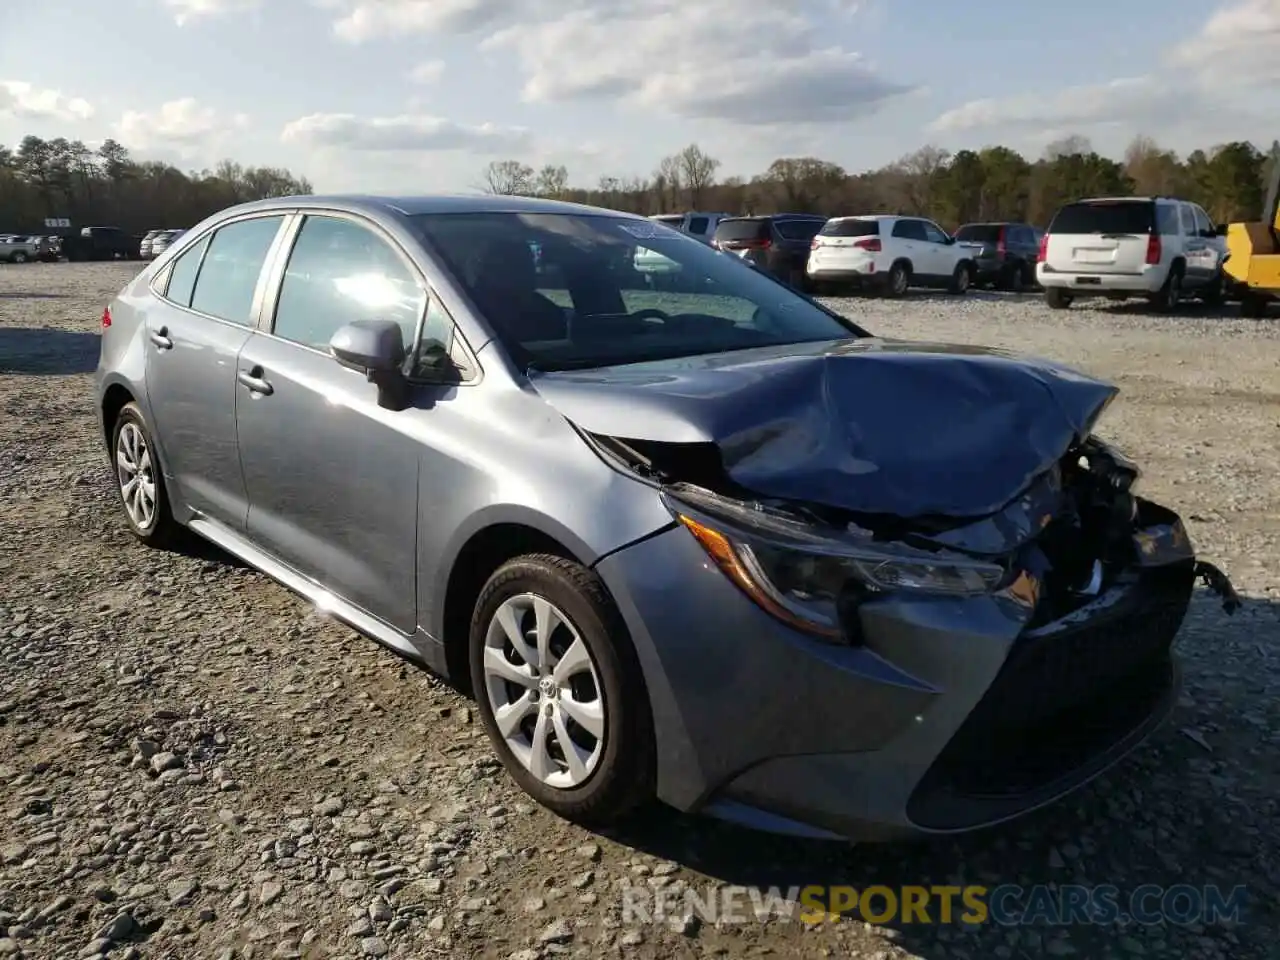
<point>1069,691</point>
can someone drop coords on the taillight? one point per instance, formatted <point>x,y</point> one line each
<point>1154,249</point>
<point>106,317</point>
<point>1043,253</point>
<point>1000,247</point>
<point>872,243</point>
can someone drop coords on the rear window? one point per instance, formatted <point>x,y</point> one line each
<point>979,233</point>
<point>799,229</point>
<point>742,230</point>
<point>851,228</point>
<point>1121,216</point>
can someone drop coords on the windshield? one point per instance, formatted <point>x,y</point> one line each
<point>584,303</point>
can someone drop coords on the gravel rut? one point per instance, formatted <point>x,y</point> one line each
<point>194,763</point>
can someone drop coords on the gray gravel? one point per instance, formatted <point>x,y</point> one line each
<point>195,764</point>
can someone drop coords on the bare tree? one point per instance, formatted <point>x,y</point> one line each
<point>698,172</point>
<point>667,181</point>
<point>508,178</point>
<point>552,182</point>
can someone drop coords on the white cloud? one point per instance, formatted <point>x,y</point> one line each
<point>1125,100</point>
<point>362,20</point>
<point>185,126</point>
<point>25,101</point>
<point>187,11</point>
<point>1243,37</point>
<point>711,60</point>
<point>401,133</point>
<point>427,72</point>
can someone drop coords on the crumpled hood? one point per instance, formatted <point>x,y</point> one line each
<point>871,425</point>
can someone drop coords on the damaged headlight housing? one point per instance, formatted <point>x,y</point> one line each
<point>799,572</point>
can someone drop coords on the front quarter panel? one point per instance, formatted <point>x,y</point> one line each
<point>501,455</point>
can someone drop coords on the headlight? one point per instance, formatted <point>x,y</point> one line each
<point>798,572</point>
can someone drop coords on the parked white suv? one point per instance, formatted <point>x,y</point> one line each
<point>1159,248</point>
<point>700,226</point>
<point>888,253</point>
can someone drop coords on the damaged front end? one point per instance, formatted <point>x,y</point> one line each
<point>1097,578</point>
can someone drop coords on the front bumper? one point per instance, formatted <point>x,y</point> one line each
<point>952,715</point>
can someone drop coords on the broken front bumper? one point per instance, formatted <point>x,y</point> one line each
<point>952,714</point>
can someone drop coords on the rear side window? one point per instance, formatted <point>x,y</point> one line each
<point>909,230</point>
<point>979,233</point>
<point>698,225</point>
<point>850,228</point>
<point>799,229</point>
<point>742,230</point>
<point>229,274</point>
<point>1119,216</point>
<point>182,278</point>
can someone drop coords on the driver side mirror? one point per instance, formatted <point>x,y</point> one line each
<point>376,349</point>
<point>1221,229</point>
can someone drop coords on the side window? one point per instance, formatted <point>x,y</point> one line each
<point>909,230</point>
<point>340,271</point>
<point>1188,220</point>
<point>933,233</point>
<point>1202,220</point>
<point>229,275</point>
<point>182,274</point>
<point>1166,219</point>
<point>697,226</point>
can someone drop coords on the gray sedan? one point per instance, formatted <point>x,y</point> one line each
<point>721,547</point>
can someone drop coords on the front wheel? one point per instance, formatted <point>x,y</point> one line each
<point>559,690</point>
<point>19,257</point>
<point>961,279</point>
<point>1253,307</point>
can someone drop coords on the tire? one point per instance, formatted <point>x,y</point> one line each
<point>1170,295</point>
<point>898,281</point>
<point>19,257</point>
<point>1057,298</point>
<point>961,280</point>
<point>1214,292</point>
<point>156,528</point>
<point>1014,279</point>
<point>618,774</point>
<point>1253,307</point>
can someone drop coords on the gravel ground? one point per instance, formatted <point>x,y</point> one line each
<point>195,764</point>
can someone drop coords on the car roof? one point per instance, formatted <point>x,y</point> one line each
<point>433,203</point>
<point>877,216</point>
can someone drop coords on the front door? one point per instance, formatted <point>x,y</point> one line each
<point>194,335</point>
<point>332,478</point>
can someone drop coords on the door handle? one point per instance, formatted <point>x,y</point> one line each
<point>254,381</point>
<point>161,338</point>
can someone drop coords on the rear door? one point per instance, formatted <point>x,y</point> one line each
<point>208,301</point>
<point>909,242</point>
<point>1101,237</point>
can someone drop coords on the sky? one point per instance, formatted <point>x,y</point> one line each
<point>387,96</point>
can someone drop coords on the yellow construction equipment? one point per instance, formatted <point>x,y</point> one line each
<point>1253,264</point>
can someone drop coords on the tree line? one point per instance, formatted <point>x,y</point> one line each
<point>105,187</point>
<point>994,183</point>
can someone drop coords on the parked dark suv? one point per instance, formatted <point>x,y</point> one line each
<point>777,244</point>
<point>1004,253</point>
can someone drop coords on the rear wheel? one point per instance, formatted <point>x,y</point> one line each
<point>1170,295</point>
<point>1057,298</point>
<point>1014,279</point>
<point>19,257</point>
<point>899,280</point>
<point>961,279</point>
<point>140,481</point>
<point>559,690</point>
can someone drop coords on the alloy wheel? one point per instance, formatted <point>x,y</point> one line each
<point>545,692</point>
<point>135,473</point>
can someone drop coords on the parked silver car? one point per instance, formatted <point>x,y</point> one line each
<point>721,547</point>
<point>163,240</point>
